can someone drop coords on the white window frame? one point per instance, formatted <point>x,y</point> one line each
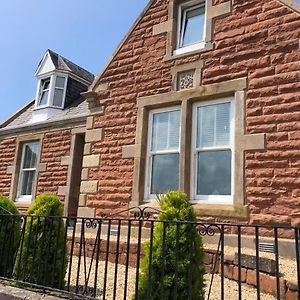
<point>21,197</point>
<point>148,197</point>
<point>51,91</point>
<point>211,199</point>
<point>182,11</point>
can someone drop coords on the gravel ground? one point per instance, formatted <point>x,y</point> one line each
<point>230,287</point>
<point>287,267</point>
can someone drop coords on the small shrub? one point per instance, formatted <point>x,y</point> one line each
<point>42,260</point>
<point>175,206</point>
<point>10,227</point>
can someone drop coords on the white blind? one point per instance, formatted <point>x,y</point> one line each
<point>165,131</point>
<point>213,126</point>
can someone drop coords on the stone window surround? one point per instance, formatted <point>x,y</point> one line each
<point>15,168</point>
<point>186,98</point>
<point>170,26</point>
<point>69,161</point>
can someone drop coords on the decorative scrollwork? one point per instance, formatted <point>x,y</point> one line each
<point>186,80</point>
<point>209,230</point>
<point>142,213</point>
<point>138,213</point>
<point>91,223</point>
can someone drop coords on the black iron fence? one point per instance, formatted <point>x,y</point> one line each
<point>141,257</point>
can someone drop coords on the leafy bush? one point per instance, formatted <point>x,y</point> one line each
<point>10,228</point>
<point>175,206</point>
<point>42,259</point>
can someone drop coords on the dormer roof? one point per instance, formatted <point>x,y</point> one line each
<point>53,61</point>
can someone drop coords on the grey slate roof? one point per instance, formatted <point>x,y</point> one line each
<point>79,108</point>
<point>64,64</point>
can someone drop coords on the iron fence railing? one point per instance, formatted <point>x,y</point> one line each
<point>101,257</point>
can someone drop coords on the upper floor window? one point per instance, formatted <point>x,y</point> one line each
<point>30,153</point>
<point>51,91</point>
<point>163,152</point>
<point>191,26</point>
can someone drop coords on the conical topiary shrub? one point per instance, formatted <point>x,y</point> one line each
<point>10,228</point>
<point>42,259</point>
<point>175,206</point>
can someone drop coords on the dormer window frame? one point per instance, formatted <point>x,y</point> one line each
<point>183,10</point>
<point>51,89</point>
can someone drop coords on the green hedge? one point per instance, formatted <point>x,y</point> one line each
<point>10,228</point>
<point>175,206</point>
<point>43,260</point>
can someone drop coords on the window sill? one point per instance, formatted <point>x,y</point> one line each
<point>240,212</point>
<point>206,47</point>
<point>23,203</point>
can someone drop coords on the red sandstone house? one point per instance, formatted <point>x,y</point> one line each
<point>201,96</point>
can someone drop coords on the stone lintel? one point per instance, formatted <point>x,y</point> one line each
<point>186,67</point>
<point>197,93</point>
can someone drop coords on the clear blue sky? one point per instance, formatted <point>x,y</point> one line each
<point>84,31</point>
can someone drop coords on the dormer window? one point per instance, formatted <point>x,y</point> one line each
<point>191,27</point>
<point>44,94</point>
<point>52,92</point>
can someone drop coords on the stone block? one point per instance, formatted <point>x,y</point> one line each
<point>89,187</point>
<point>86,212</point>
<point>249,261</point>
<point>65,161</point>
<point>10,170</point>
<point>85,174</point>
<point>82,200</point>
<point>94,135</point>
<point>91,161</point>
<point>129,151</point>
<point>87,149</point>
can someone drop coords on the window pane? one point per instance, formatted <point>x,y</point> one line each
<point>30,156</point>
<point>214,173</point>
<point>27,183</point>
<point>165,173</point>
<point>193,26</point>
<point>45,84</point>
<point>60,82</point>
<point>44,98</point>
<point>58,97</point>
<point>165,131</point>
<point>213,122</point>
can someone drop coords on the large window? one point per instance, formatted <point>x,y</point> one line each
<point>163,152</point>
<point>28,165</point>
<point>212,152</point>
<point>191,26</point>
<point>51,92</point>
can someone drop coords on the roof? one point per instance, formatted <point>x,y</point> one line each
<point>63,64</point>
<point>79,108</point>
